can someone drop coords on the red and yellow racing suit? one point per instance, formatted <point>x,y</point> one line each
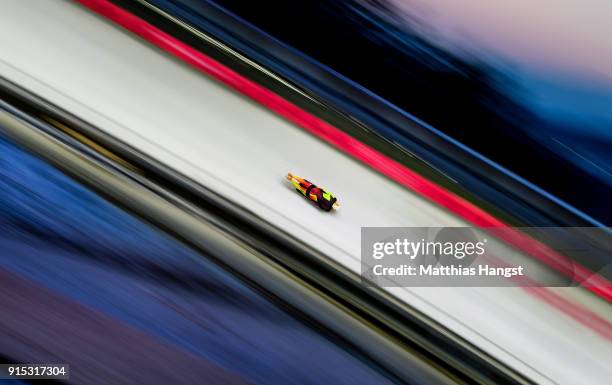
<point>322,198</point>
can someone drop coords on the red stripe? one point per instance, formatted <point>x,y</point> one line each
<point>351,146</point>
<point>585,316</point>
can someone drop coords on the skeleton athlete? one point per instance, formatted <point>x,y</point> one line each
<point>325,200</point>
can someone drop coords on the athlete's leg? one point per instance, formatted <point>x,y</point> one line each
<point>290,176</point>
<point>300,184</point>
<point>296,179</point>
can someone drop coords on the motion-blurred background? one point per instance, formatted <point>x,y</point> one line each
<point>148,235</point>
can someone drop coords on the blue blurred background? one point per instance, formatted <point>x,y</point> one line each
<point>64,241</point>
<point>526,84</point>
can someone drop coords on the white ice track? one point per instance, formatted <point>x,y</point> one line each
<point>152,101</point>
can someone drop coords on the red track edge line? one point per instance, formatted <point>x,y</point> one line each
<point>376,160</point>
